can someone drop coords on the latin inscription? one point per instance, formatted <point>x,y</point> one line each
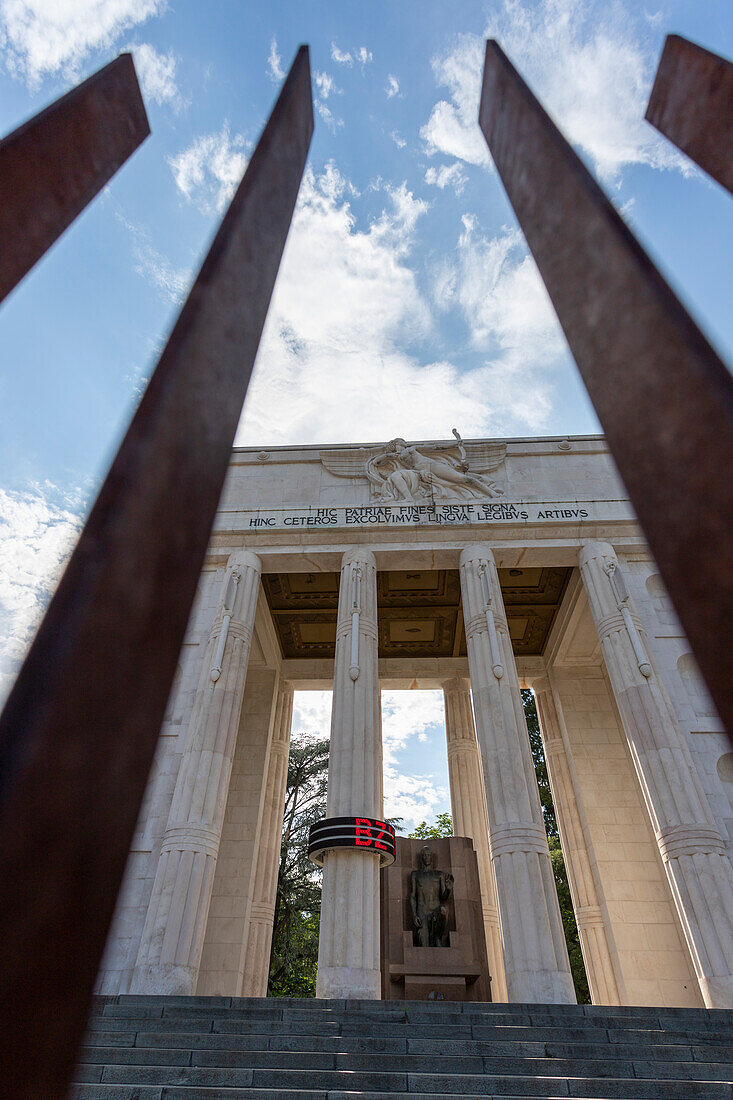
<point>405,515</point>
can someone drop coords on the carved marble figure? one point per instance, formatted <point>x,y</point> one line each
<point>430,889</point>
<point>405,473</point>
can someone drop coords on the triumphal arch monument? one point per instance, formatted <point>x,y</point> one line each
<point>477,567</point>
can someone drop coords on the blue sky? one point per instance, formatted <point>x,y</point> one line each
<point>407,302</point>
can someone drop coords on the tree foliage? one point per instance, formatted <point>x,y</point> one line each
<point>443,827</point>
<point>294,957</point>
<point>559,871</point>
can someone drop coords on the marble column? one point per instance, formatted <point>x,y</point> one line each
<point>591,914</point>
<point>258,939</point>
<point>468,807</point>
<point>697,866</point>
<point>536,961</point>
<point>348,950</point>
<point>173,936</point>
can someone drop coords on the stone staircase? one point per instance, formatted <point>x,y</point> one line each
<point>220,1048</point>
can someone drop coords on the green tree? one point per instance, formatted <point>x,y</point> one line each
<point>294,957</point>
<point>560,874</point>
<point>443,827</point>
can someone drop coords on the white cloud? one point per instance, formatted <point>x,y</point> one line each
<point>344,57</point>
<point>406,718</point>
<point>312,713</point>
<point>43,38</point>
<point>325,86</point>
<point>157,75</point>
<point>208,171</point>
<point>275,63</point>
<point>38,528</point>
<point>447,175</point>
<point>496,285</point>
<point>332,364</point>
<point>332,121</point>
<point>152,265</point>
<point>398,139</point>
<point>452,128</point>
<point>393,86</point>
<point>340,57</point>
<point>591,66</point>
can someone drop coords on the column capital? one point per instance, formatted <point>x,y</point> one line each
<point>358,555</point>
<point>596,548</point>
<point>476,553</point>
<point>538,681</point>
<point>456,684</point>
<point>244,559</point>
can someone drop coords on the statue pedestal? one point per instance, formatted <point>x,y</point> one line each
<point>456,972</point>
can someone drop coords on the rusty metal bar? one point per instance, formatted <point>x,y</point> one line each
<point>692,105</point>
<point>79,729</point>
<point>52,166</point>
<point>662,395</point>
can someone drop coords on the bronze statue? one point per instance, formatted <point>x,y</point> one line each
<point>429,891</point>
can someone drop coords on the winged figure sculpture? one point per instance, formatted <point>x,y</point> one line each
<point>402,471</point>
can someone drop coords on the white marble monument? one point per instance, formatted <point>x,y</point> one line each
<point>478,567</point>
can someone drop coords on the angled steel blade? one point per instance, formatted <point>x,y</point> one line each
<point>52,166</point>
<point>692,105</point>
<point>662,395</point>
<point>79,729</point>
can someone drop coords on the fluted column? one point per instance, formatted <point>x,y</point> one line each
<point>258,939</point>
<point>468,806</point>
<point>535,954</point>
<point>594,926</point>
<point>172,941</point>
<point>348,950</point>
<point>698,869</point>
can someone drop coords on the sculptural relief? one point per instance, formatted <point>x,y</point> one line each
<point>402,472</point>
<point>430,890</point>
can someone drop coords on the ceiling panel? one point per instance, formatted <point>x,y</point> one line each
<point>419,611</point>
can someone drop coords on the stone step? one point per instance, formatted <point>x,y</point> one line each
<point>175,1048</point>
<point>98,1049</point>
<point>412,1063</point>
<point>692,1032</point>
<point>381,1008</point>
<point>572,1082</point>
<point>181,1092</point>
<point>409,1011</point>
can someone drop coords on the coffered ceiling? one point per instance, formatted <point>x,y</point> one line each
<point>419,612</point>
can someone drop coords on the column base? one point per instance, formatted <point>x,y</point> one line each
<point>546,987</point>
<point>165,980</point>
<point>717,992</point>
<point>348,982</point>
